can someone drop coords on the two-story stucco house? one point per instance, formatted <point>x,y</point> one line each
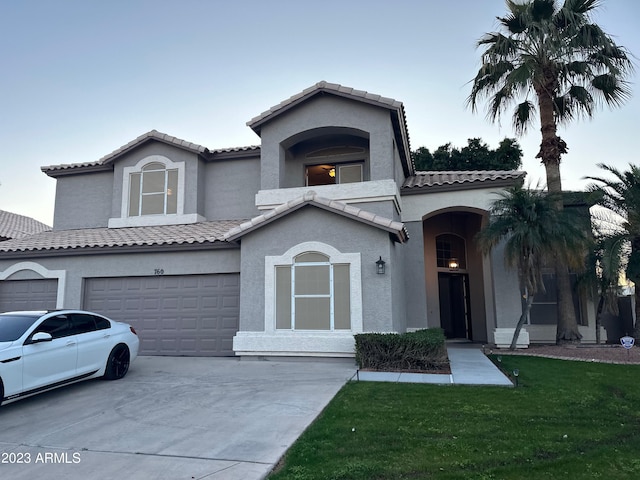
<point>288,248</point>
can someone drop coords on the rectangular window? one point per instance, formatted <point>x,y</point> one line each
<point>350,173</point>
<point>172,191</point>
<point>331,174</point>
<point>283,297</point>
<point>313,295</point>
<point>134,195</point>
<point>341,298</point>
<point>313,313</point>
<point>153,191</point>
<point>312,280</point>
<point>544,306</point>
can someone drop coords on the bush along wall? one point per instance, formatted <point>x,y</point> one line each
<point>420,351</point>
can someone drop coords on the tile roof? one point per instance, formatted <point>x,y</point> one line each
<point>323,86</point>
<point>311,198</point>
<point>195,233</point>
<point>13,225</point>
<point>398,116</point>
<point>461,179</point>
<point>145,137</point>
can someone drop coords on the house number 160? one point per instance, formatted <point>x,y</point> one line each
<point>158,271</point>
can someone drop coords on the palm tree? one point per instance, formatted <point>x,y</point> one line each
<point>621,196</point>
<point>551,61</point>
<point>604,266</point>
<point>534,232</point>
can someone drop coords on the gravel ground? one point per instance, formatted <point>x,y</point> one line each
<point>588,353</point>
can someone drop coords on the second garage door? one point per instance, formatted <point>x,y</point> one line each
<point>28,295</point>
<point>190,315</point>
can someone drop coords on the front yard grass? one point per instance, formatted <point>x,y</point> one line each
<point>566,420</point>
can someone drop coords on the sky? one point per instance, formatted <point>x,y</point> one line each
<point>81,78</point>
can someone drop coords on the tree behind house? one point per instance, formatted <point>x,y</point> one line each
<point>620,195</point>
<point>476,155</point>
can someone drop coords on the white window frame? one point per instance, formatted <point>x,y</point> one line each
<point>160,219</point>
<point>335,257</point>
<point>141,193</point>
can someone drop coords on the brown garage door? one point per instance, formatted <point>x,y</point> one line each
<point>190,315</point>
<point>28,295</point>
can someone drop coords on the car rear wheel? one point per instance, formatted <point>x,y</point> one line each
<point>118,362</point>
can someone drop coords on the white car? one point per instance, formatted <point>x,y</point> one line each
<point>44,350</point>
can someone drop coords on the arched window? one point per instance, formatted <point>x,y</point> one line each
<point>313,294</point>
<point>451,251</point>
<point>153,190</point>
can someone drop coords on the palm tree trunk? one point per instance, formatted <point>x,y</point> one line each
<point>599,318</point>
<point>551,150</point>
<point>523,317</point>
<point>636,329</point>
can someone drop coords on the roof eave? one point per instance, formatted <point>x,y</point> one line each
<point>118,249</point>
<point>60,171</point>
<point>460,186</point>
<point>399,234</point>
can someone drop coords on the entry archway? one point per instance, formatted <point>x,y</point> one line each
<point>454,273</point>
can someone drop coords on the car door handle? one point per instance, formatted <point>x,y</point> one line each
<point>71,343</point>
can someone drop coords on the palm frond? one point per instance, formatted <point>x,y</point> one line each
<point>556,47</point>
<point>533,231</point>
<point>523,116</point>
<point>612,90</point>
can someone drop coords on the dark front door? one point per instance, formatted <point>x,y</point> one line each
<point>454,305</point>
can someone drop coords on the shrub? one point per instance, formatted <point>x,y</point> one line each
<point>423,350</point>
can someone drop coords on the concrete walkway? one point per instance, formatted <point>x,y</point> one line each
<point>469,366</point>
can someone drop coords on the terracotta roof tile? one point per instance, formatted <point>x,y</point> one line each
<point>13,225</point>
<point>310,198</point>
<point>453,178</point>
<point>195,233</point>
<point>154,135</point>
<point>326,87</point>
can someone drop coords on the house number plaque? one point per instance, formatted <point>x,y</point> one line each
<point>158,271</point>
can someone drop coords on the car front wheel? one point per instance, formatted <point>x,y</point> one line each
<point>117,363</point>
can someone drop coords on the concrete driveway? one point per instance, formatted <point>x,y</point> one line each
<point>169,418</point>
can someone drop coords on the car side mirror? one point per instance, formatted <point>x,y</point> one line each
<point>41,337</point>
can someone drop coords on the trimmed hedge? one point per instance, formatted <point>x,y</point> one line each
<point>423,350</point>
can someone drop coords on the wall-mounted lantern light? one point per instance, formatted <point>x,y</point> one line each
<point>454,264</point>
<point>380,266</point>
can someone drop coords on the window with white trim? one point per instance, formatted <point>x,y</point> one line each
<point>313,294</point>
<point>153,190</point>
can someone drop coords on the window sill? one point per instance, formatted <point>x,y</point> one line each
<point>155,220</point>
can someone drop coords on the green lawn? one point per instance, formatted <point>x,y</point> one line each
<point>566,420</point>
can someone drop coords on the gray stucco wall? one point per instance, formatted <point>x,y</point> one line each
<point>327,111</point>
<point>78,267</point>
<point>83,201</point>
<point>414,281</point>
<point>218,190</point>
<point>231,187</point>
<point>397,163</point>
<point>397,275</point>
<point>507,290</point>
<point>347,236</point>
<point>385,208</point>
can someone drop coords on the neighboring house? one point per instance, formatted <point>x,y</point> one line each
<point>276,249</point>
<point>13,225</point>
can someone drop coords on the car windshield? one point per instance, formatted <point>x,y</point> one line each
<point>12,327</point>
